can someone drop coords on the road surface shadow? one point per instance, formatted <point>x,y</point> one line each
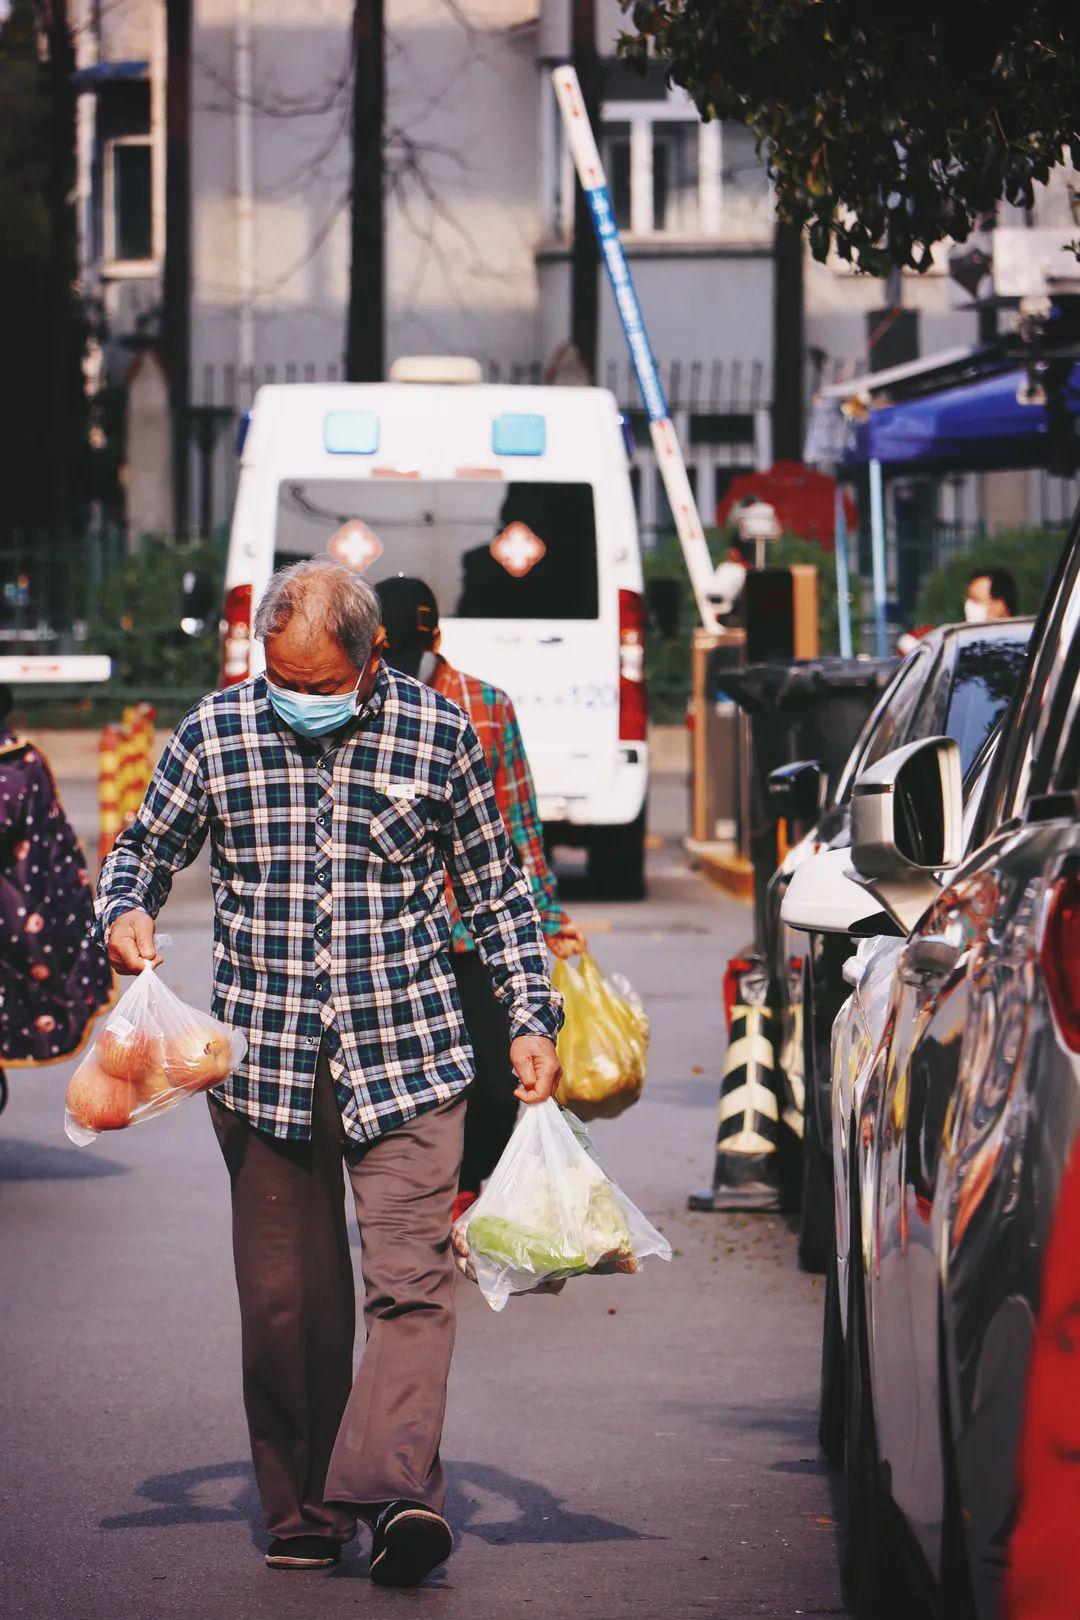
<point>172,1496</point>
<point>535,1516</point>
<point>21,1160</point>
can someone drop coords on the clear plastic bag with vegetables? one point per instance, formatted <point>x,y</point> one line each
<point>151,1052</point>
<point>604,1041</point>
<point>550,1212</point>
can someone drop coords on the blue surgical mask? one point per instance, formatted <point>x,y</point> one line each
<point>313,714</point>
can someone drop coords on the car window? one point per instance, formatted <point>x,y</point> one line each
<point>1066,772</point>
<point>1029,721</point>
<point>986,674</point>
<point>488,549</point>
<point>886,728</point>
<point>975,782</point>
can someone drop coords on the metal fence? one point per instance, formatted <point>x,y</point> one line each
<point>94,591</point>
<point>49,584</point>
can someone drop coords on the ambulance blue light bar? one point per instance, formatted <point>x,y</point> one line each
<point>351,433</point>
<point>518,434</point>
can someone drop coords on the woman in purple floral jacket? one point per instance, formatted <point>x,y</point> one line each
<point>53,976</point>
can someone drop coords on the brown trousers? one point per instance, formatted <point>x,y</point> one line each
<point>325,1446</point>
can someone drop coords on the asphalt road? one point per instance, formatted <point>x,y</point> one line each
<point>640,1446</point>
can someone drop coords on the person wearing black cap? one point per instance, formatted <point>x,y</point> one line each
<point>411,624</point>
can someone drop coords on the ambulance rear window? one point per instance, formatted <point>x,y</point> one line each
<point>489,549</point>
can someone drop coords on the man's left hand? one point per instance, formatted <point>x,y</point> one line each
<point>537,1066</point>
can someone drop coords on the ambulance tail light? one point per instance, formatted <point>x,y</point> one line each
<point>236,636</point>
<point>633,717</point>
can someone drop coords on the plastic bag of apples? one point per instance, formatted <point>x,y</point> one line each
<point>151,1052</point>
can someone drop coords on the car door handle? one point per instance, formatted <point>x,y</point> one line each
<point>929,958</point>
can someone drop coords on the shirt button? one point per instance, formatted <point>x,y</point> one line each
<point>311,1040</point>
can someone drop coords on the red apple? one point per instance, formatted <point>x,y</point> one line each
<point>130,1055</point>
<point>100,1101</point>
<point>198,1056</point>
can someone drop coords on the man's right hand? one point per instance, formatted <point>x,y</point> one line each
<point>131,942</point>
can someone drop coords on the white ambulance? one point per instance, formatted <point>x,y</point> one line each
<point>514,504</point>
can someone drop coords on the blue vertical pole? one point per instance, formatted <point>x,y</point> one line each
<point>877,557</point>
<point>669,459</point>
<point>843,576</point>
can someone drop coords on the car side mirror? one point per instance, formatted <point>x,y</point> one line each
<point>907,825</point>
<point>797,791</point>
<point>823,898</point>
<point>663,598</point>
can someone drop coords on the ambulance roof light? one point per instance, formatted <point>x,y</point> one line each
<point>518,433</point>
<point>436,368</point>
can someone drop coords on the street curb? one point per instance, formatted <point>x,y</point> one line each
<point>723,866</point>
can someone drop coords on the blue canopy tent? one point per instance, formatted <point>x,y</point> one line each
<point>986,424</point>
<point>998,421</point>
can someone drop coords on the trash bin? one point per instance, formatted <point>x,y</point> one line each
<point>812,709</point>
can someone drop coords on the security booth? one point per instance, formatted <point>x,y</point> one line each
<point>777,617</point>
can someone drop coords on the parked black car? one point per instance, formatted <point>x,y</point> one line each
<point>957,682</point>
<point>963,1168</point>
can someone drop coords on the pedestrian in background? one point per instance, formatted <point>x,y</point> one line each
<point>991,595</point>
<point>54,976</point>
<point>410,616</point>
<point>338,798</point>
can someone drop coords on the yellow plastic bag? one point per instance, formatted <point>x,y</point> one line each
<point>603,1043</point>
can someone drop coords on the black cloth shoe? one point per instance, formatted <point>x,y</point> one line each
<point>410,1540</point>
<point>303,1552</point>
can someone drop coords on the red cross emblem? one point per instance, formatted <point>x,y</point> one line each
<point>355,546</point>
<point>518,549</point>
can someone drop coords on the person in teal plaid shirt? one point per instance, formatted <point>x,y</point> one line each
<point>411,623</point>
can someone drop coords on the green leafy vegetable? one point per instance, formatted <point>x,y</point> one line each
<point>505,1243</point>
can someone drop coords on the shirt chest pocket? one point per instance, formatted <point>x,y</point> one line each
<point>399,825</point>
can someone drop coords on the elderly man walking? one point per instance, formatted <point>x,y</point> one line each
<point>338,796</point>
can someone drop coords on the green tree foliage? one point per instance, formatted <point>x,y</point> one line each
<point>135,619</point>
<point>887,127</point>
<point>1030,555</point>
<point>28,126</point>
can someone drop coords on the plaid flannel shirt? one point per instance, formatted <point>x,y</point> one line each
<point>329,862</point>
<point>496,726</point>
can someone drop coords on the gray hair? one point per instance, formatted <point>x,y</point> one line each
<point>330,598</point>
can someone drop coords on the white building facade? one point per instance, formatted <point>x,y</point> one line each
<point>479,212</point>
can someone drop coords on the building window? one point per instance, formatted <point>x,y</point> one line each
<point>715,428</point>
<point>676,178</point>
<point>615,155</point>
<point>129,214</point>
<point>670,176</point>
